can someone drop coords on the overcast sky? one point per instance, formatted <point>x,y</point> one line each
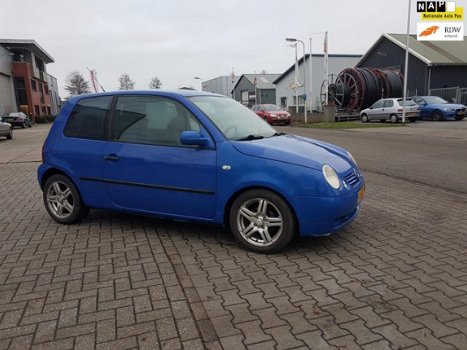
<point>177,40</point>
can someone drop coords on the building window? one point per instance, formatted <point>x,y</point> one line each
<point>37,110</point>
<point>33,85</point>
<point>21,95</point>
<point>48,111</point>
<point>283,102</point>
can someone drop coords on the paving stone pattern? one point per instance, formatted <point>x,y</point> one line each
<point>396,278</point>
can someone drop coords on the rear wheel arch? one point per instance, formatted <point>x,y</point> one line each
<point>53,171</point>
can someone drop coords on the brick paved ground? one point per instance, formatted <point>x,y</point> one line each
<point>394,279</point>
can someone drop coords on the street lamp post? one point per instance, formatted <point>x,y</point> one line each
<point>406,67</point>
<point>304,74</point>
<point>311,76</point>
<point>198,78</point>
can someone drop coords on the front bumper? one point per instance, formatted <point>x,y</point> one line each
<point>322,216</point>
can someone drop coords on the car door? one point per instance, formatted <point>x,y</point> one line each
<point>388,109</point>
<point>147,169</point>
<point>376,110</point>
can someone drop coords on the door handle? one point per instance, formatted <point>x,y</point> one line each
<point>112,157</point>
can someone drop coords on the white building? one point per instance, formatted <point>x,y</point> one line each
<point>221,85</point>
<point>286,96</point>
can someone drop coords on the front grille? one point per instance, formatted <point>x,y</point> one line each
<point>352,179</point>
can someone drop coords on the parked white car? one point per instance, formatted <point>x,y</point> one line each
<point>6,130</point>
<point>390,109</point>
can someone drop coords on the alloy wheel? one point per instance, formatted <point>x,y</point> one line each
<point>60,199</point>
<point>260,222</point>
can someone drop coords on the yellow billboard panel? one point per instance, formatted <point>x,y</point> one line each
<point>457,15</point>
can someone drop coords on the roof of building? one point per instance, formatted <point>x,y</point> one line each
<point>430,52</point>
<point>300,61</point>
<point>27,44</point>
<point>263,81</point>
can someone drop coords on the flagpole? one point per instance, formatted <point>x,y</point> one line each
<point>326,64</point>
<point>296,79</point>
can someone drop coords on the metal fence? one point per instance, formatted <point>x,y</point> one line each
<point>452,94</point>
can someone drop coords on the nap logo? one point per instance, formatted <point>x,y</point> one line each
<point>436,6</point>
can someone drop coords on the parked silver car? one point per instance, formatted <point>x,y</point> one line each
<point>6,130</point>
<point>390,109</point>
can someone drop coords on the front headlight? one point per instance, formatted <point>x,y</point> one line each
<point>352,158</point>
<point>331,177</point>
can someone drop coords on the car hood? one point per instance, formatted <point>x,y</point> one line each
<point>296,150</point>
<point>446,105</point>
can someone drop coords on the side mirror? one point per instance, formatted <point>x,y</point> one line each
<point>193,138</point>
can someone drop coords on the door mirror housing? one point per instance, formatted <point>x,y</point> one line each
<point>193,138</point>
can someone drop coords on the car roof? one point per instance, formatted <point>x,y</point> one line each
<point>158,92</point>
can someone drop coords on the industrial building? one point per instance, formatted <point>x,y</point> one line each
<point>432,64</point>
<point>25,84</point>
<point>286,94</point>
<point>252,89</point>
<point>222,85</point>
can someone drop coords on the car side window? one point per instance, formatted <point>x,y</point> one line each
<point>88,119</point>
<point>151,120</point>
<point>378,104</point>
<point>389,103</point>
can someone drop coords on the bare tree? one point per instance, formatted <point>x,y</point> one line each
<point>76,84</point>
<point>125,82</point>
<point>155,83</point>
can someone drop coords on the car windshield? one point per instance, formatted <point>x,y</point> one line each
<point>434,100</point>
<point>407,102</point>
<point>271,108</point>
<point>232,119</point>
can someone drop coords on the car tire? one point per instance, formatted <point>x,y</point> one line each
<point>261,221</point>
<point>23,126</point>
<point>364,118</point>
<point>412,120</point>
<point>63,201</point>
<point>10,135</point>
<point>393,118</point>
<point>437,116</point>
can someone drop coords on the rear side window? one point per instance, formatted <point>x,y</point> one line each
<point>389,103</point>
<point>88,118</point>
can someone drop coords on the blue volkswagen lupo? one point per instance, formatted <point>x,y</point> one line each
<point>189,155</point>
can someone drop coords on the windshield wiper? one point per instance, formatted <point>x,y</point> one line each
<point>278,134</point>
<point>250,137</point>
